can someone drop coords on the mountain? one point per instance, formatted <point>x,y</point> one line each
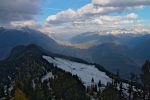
<point>10,38</point>
<point>142,50</point>
<point>115,52</point>
<point>126,52</point>
<point>132,40</point>
<point>33,73</point>
<point>26,75</point>
<point>115,57</point>
<point>91,37</point>
<point>112,51</point>
<point>62,36</point>
<point>139,45</point>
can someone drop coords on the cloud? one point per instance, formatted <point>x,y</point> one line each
<point>80,22</point>
<point>30,23</point>
<point>132,15</point>
<point>121,3</point>
<point>91,17</point>
<point>62,17</point>
<point>77,16</point>
<point>95,16</point>
<point>18,10</point>
<point>89,11</point>
<point>93,8</point>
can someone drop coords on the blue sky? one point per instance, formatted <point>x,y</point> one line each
<point>144,13</point>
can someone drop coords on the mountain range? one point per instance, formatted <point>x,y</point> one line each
<point>123,52</point>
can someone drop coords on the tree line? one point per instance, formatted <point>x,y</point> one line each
<point>136,88</point>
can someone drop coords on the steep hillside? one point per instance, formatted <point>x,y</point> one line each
<point>25,74</point>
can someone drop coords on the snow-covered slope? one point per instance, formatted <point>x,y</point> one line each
<point>84,71</point>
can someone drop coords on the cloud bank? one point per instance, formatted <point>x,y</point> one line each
<point>95,16</point>
<point>120,3</point>
<point>18,10</point>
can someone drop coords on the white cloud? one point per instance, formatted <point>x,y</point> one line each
<point>132,16</point>
<point>91,17</point>
<point>104,24</point>
<point>120,3</point>
<point>90,11</point>
<point>62,17</point>
<point>102,2</point>
<point>94,17</point>
<point>30,23</point>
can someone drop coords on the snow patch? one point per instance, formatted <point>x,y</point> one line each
<point>33,84</point>
<point>84,71</point>
<point>47,76</point>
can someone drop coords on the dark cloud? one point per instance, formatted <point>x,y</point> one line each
<point>17,10</point>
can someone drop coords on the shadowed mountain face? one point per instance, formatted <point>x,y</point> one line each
<point>142,50</point>
<point>9,38</point>
<point>114,57</point>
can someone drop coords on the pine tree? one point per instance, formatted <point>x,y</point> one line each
<point>145,77</point>
<point>130,91</point>
<point>99,89</point>
<point>116,79</point>
<point>137,93</point>
<point>121,89</point>
<point>95,88</point>
<point>92,80</point>
<point>130,88</point>
<point>99,85</point>
<point>1,91</point>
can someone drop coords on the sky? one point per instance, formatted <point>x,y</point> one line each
<point>77,16</point>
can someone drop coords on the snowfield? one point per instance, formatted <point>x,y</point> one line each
<point>84,71</point>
